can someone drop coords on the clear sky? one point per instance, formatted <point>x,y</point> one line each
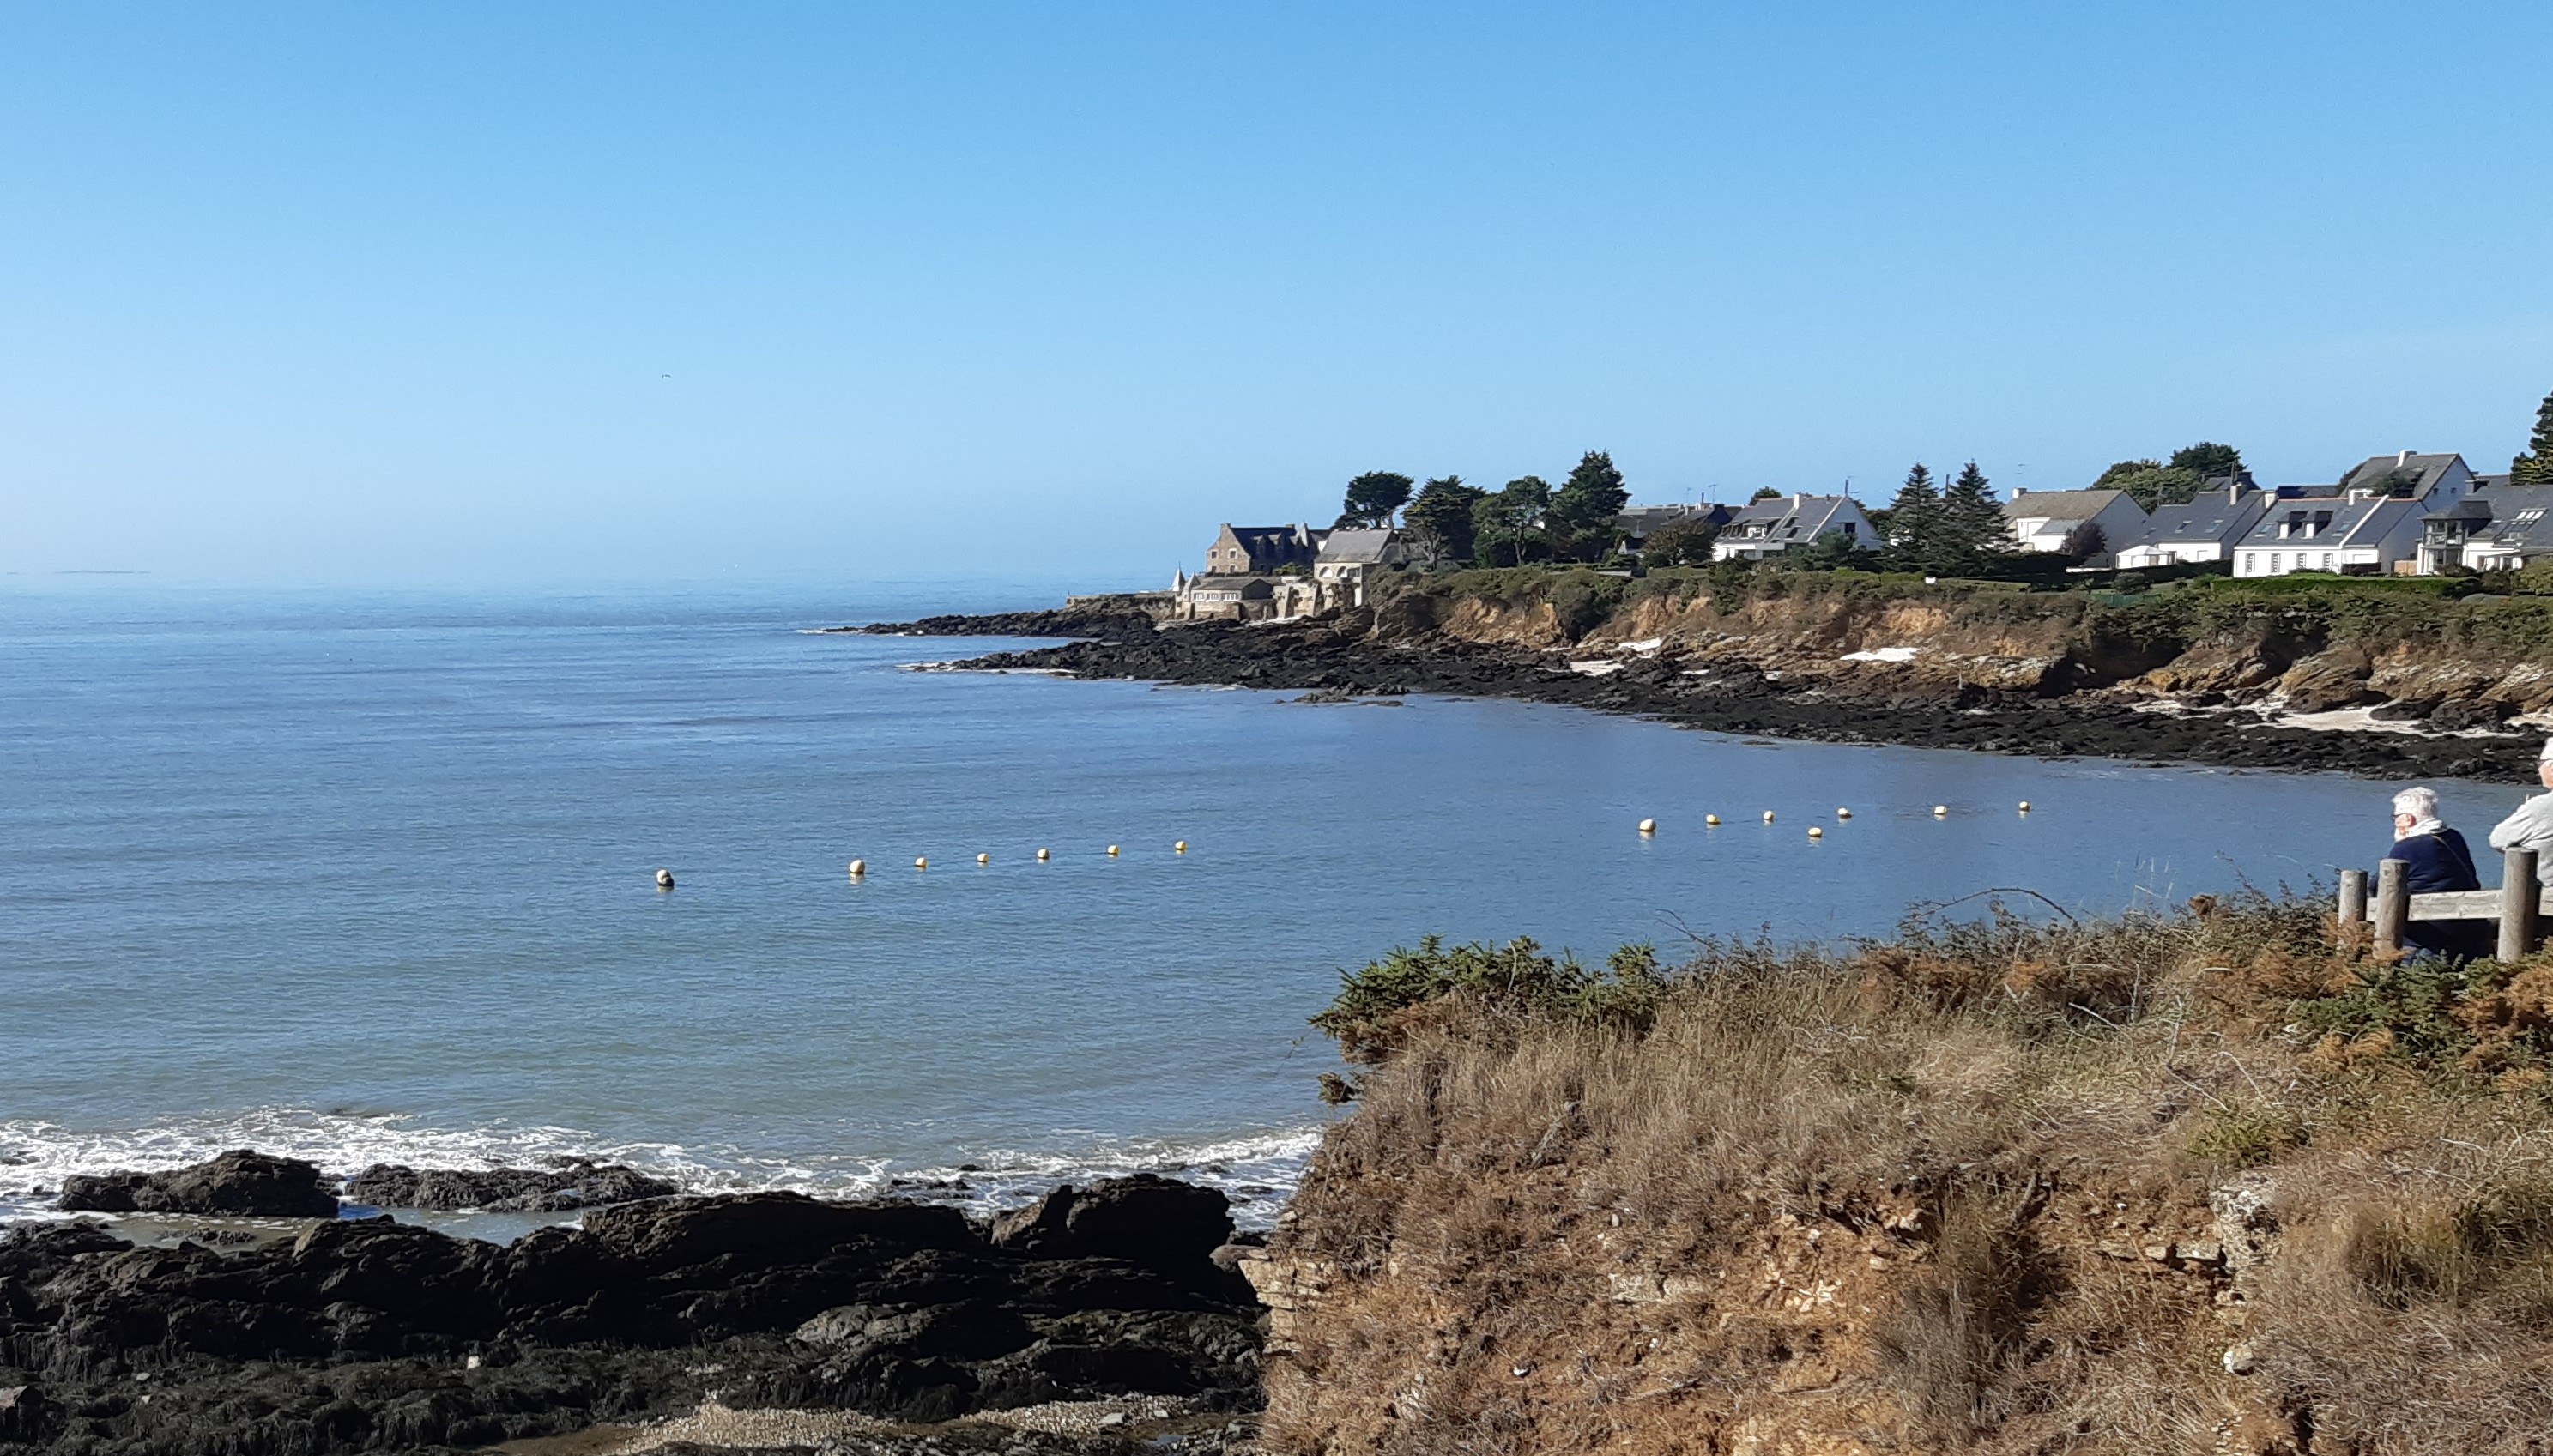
<point>461,293</point>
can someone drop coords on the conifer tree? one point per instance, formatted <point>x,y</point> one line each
<point>2535,467</point>
<point>1972,519</point>
<point>1584,508</point>
<point>1914,521</point>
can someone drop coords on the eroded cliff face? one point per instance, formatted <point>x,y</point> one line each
<point>1942,642</point>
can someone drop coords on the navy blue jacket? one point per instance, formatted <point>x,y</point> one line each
<point>2438,861</point>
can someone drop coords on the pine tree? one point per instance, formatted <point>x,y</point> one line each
<point>1584,508</point>
<point>1914,521</point>
<point>1972,519</point>
<point>2535,467</point>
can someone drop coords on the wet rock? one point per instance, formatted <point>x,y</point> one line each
<point>241,1184</point>
<point>27,1414</point>
<point>2456,715</point>
<point>573,1185</point>
<point>1143,1219</point>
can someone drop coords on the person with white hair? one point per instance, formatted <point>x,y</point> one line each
<point>2531,826</point>
<point>2438,860</point>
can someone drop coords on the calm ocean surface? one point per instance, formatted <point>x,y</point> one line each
<point>362,876</point>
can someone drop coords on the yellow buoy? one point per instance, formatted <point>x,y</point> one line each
<point>1648,826</point>
<point>1045,854</point>
<point>1713,819</point>
<point>859,868</point>
<point>983,860</point>
<point>1181,848</point>
<point>923,862</point>
<point>664,879</point>
<point>1844,814</point>
<point>1815,833</point>
<point>2025,806</point>
<point>1112,851</point>
<point>1768,816</point>
<point>1940,811</point>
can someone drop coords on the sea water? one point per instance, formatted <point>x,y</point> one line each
<point>370,877</point>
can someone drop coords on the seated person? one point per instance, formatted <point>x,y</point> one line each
<point>2531,826</point>
<point>2438,860</point>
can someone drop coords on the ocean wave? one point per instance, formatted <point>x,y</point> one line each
<point>1258,1169</point>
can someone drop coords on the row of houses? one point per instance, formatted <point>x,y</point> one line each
<point>2398,514</point>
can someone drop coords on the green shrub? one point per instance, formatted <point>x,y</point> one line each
<point>1514,982</point>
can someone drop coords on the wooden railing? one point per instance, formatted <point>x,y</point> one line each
<point>2520,905</point>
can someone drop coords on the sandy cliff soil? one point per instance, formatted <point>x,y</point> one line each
<point>2172,1187</point>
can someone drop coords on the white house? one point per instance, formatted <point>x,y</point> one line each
<point>1765,528</point>
<point>2044,521</point>
<point>2204,528</point>
<point>2515,528</point>
<point>2357,535</point>
<point>2372,523</point>
<point>1351,555</point>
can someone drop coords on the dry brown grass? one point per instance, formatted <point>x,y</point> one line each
<point>1956,1192</point>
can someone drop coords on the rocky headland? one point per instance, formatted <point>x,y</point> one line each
<point>2435,689</point>
<point>1088,1318</point>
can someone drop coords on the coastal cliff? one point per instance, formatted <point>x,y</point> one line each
<point>2380,678</point>
<point>2215,1180</point>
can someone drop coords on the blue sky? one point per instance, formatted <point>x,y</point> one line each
<point>377,293</point>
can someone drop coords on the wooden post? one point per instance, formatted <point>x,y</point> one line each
<point>2353,897</point>
<point>2520,897</point>
<point>2392,905</point>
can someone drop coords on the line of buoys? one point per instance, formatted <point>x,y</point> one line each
<point>664,879</point>
<point>1648,826</point>
<point>859,868</point>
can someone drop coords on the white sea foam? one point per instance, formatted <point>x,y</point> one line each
<point>1257,1170</point>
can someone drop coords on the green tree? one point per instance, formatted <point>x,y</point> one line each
<point>1680,543</point>
<point>1764,492</point>
<point>2535,467</point>
<point>2208,460</point>
<point>1914,521</point>
<point>1442,513</point>
<point>1373,497</point>
<point>2155,486</point>
<point>1508,527</point>
<point>1585,510</point>
<point>2110,478</point>
<point>1971,523</point>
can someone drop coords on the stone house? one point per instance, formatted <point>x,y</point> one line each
<point>1351,556</point>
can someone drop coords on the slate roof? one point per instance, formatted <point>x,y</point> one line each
<point>2056,506</point>
<point>2421,472</point>
<point>2350,523</point>
<point>1357,545</point>
<point>2214,517</point>
<point>2521,517</point>
<point>1789,519</point>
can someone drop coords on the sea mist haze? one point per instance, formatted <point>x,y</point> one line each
<point>367,877</point>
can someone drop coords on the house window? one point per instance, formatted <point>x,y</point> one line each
<point>2274,563</point>
<point>2326,561</point>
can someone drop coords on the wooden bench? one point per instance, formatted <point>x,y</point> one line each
<point>2521,904</point>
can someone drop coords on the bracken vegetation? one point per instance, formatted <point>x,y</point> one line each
<point>2213,1179</point>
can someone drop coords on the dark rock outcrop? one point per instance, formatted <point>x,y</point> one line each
<point>569,1187</point>
<point>241,1184</point>
<point>368,1334</point>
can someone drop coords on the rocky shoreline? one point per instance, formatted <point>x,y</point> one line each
<point>1339,659</point>
<point>1091,1320</point>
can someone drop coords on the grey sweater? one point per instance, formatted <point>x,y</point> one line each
<point>2530,828</point>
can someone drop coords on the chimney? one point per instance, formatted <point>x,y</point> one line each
<point>2402,460</point>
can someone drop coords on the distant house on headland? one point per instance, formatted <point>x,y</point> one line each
<point>2501,527</point>
<point>1247,548</point>
<point>2203,528</point>
<point>1765,528</point>
<point>1350,556</point>
<point>2047,521</point>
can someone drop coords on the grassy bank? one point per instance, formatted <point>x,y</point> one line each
<point>2215,1180</point>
